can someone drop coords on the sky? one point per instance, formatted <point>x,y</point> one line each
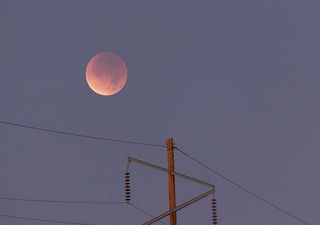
<point>235,83</point>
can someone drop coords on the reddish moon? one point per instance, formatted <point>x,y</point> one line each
<point>106,73</point>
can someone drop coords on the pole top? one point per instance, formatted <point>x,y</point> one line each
<point>169,141</point>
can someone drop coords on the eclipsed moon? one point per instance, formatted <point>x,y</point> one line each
<point>106,73</point>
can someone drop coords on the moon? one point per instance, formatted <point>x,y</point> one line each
<point>106,73</point>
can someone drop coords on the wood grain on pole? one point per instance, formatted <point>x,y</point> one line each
<point>172,191</point>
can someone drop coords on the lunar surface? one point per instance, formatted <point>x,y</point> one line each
<point>106,74</point>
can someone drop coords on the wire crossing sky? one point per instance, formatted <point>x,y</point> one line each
<point>242,187</point>
<point>43,220</point>
<point>67,202</point>
<point>139,143</point>
<point>242,76</point>
<point>79,135</point>
<point>145,212</point>
<point>62,201</point>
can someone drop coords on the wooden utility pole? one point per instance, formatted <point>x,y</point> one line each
<point>172,189</point>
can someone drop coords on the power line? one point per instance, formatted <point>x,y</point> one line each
<point>44,220</point>
<point>61,201</point>
<point>135,143</point>
<point>144,212</point>
<point>68,202</point>
<point>243,188</point>
<point>79,135</point>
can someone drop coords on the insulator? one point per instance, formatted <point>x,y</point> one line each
<point>127,186</point>
<point>214,211</point>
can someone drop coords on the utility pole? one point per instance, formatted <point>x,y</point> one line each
<point>171,179</point>
<point>172,212</point>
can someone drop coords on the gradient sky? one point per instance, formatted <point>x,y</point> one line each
<point>235,83</point>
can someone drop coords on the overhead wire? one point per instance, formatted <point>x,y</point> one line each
<point>79,135</point>
<point>44,220</point>
<point>144,212</point>
<point>143,144</point>
<point>62,201</point>
<point>242,187</point>
<point>68,202</point>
